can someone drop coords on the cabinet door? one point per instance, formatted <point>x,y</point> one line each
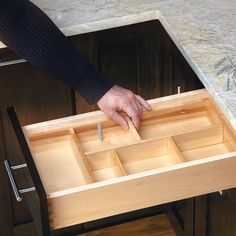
<point>36,97</point>
<point>222,214</point>
<point>87,45</point>
<point>5,204</point>
<point>130,56</point>
<point>176,72</point>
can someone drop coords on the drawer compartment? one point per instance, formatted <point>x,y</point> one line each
<point>149,155</point>
<point>184,148</point>
<point>105,165</point>
<point>204,143</point>
<point>112,136</point>
<point>59,159</point>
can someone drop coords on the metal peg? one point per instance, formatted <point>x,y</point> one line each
<point>179,89</point>
<point>99,126</point>
<point>221,192</point>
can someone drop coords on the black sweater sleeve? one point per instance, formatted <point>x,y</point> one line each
<point>27,31</point>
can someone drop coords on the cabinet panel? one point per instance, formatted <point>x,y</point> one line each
<point>141,57</point>
<point>87,45</point>
<point>5,204</point>
<point>222,215</point>
<point>37,97</point>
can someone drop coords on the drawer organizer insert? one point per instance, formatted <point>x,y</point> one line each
<point>70,156</point>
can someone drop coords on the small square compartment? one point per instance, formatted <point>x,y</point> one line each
<point>149,155</point>
<point>105,165</point>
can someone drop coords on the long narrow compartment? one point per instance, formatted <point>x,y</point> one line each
<point>59,161</point>
<point>174,119</point>
<point>205,143</point>
<point>112,135</point>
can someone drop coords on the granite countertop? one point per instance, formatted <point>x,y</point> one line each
<point>203,30</point>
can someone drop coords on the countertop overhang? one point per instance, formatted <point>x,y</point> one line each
<point>203,30</point>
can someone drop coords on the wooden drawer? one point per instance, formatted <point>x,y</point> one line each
<point>184,148</point>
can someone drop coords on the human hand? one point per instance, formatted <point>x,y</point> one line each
<point>118,99</point>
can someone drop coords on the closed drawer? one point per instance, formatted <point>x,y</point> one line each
<point>184,148</point>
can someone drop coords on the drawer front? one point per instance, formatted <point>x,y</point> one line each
<point>36,200</point>
<point>91,169</point>
<point>156,188</point>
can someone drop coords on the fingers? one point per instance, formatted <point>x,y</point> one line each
<point>143,103</point>
<point>118,119</point>
<point>134,114</point>
<point>137,107</point>
<point>133,109</point>
<point>118,99</point>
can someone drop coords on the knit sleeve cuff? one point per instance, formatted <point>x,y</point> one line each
<point>94,85</point>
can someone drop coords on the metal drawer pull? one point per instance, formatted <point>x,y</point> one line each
<point>7,63</point>
<point>17,192</point>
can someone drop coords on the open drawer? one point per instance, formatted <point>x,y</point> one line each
<point>184,148</point>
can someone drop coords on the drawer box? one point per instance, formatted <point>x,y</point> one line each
<point>183,148</point>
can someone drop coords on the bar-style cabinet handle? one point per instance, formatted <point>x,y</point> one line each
<point>15,189</point>
<point>12,181</point>
<point>12,62</point>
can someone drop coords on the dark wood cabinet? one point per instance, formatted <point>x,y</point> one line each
<point>36,97</point>
<point>141,57</point>
<point>222,214</point>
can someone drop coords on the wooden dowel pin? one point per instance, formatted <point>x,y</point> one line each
<point>179,87</point>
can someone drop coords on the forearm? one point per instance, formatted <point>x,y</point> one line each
<point>26,30</point>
